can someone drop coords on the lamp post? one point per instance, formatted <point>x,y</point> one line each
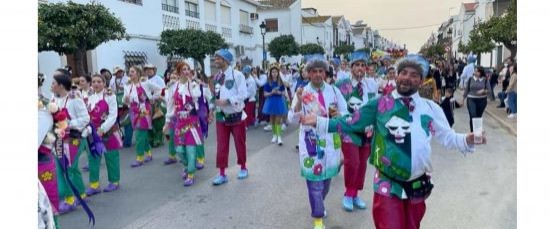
<point>318,41</point>
<point>450,45</point>
<point>262,30</point>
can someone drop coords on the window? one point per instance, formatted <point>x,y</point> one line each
<point>133,58</point>
<point>170,6</point>
<point>226,15</point>
<point>137,2</point>
<point>210,11</point>
<point>191,9</point>
<point>272,25</point>
<point>243,24</point>
<point>243,17</point>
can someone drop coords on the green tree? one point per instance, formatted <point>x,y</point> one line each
<point>283,45</point>
<point>478,44</point>
<point>366,50</point>
<point>503,29</point>
<point>436,50</point>
<point>191,43</point>
<point>72,28</point>
<point>311,49</point>
<point>344,49</point>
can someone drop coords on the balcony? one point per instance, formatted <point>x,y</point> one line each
<point>210,27</point>
<point>226,33</point>
<point>193,24</point>
<point>169,8</point>
<point>246,29</point>
<point>192,13</point>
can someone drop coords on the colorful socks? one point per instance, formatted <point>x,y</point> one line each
<point>139,158</point>
<point>200,160</point>
<point>149,153</point>
<point>318,222</point>
<point>190,175</point>
<point>69,200</point>
<point>94,185</point>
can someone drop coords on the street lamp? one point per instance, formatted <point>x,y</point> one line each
<point>450,44</point>
<point>318,41</point>
<point>262,30</point>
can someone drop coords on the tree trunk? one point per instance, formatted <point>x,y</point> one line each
<point>513,50</point>
<point>79,62</point>
<point>478,58</point>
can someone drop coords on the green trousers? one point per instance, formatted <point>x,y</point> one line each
<point>188,155</point>
<point>171,145</point>
<point>74,174</point>
<point>142,142</point>
<point>200,151</point>
<point>112,161</point>
<point>156,137</point>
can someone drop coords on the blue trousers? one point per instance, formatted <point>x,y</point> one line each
<point>513,102</point>
<point>128,135</point>
<point>317,191</point>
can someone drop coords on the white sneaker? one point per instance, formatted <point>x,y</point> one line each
<point>267,128</point>
<point>274,139</point>
<point>511,115</point>
<point>283,127</point>
<point>279,140</point>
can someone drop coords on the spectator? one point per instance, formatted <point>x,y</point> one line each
<point>512,91</point>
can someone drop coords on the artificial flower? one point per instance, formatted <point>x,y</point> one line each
<point>52,108</point>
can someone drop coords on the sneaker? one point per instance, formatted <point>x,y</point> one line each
<point>347,203</point>
<point>92,191</point>
<point>188,182</point>
<point>148,158</point>
<point>64,207</point>
<point>280,140</point>
<point>325,215</point>
<point>183,174</point>
<point>283,127</point>
<point>357,202</point>
<point>136,164</point>
<point>267,128</point>
<point>274,139</point>
<point>512,115</point>
<point>243,174</point>
<point>170,160</point>
<point>111,187</point>
<point>220,180</point>
<point>199,165</point>
<point>501,106</point>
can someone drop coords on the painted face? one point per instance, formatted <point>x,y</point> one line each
<point>408,81</point>
<point>358,69</point>
<point>97,84</point>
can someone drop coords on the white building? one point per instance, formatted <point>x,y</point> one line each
<point>464,25</point>
<point>341,31</point>
<point>235,20</point>
<point>359,35</point>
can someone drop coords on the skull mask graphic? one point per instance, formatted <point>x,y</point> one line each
<point>354,103</point>
<point>399,128</point>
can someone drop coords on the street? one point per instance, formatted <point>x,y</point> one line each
<point>476,191</point>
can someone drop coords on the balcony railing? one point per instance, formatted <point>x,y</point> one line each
<point>193,24</point>
<point>210,27</point>
<point>170,8</point>
<point>226,32</point>
<point>246,29</point>
<point>192,14</point>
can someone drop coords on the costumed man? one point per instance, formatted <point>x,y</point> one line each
<point>229,87</point>
<point>250,102</point>
<point>383,71</point>
<point>159,107</point>
<point>405,124</point>
<point>103,108</point>
<point>343,72</point>
<point>319,152</point>
<point>387,85</point>
<point>355,91</point>
<point>70,117</point>
<point>468,71</point>
<point>117,85</point>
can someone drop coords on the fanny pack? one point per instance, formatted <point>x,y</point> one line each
<point>420,187</point>
<point>232,119</point>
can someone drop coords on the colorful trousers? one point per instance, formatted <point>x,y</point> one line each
<point>73,171</point>
<point>171,145</point>
<point>47,175</point>
<point>128,135</point>
<point>355,167</point>
<point>142,142</point>
<point>250,109</point>
<point>156,137</point>
<point>394,213</point>
<point>112,161</point>
<point>317,191</point>
<point>222,138</point>
<point>188,155</point>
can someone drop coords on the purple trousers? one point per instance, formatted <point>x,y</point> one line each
<point>317,191</point>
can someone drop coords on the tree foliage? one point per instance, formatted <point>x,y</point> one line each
<point>344,49</point>
<point>503,29</point>
<point>311,49</point>
<point>433,51</point>
<point>478,43</point>
<point>190,43</point>
<point>72,28</point>
<point>283,45</point>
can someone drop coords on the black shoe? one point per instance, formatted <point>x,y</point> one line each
<point>500,106</point>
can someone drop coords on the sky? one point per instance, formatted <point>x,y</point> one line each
<point>389,16</point>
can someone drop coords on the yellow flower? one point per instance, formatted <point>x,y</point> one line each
<point>75,142</point>
<point>46,176</point>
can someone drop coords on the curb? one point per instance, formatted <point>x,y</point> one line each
<point>502,122</point>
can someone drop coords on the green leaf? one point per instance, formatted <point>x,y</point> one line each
<point>311,49</point>
<point>283,45</point>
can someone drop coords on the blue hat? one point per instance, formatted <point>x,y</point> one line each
<point>247,69</point>
<point>359,56</point>
<point>225,54</point>
<point>471,58</point>
<point>415,61</point>
<point>316,61</point>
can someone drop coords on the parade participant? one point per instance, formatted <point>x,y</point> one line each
<point>103,108</point>
<point>138,93</point>
<point>428,89</point>
<point>355,156</point>
<point>319,153</point>
<point>204,107</point>
<point>404,123</point>
<point>286,77</point>
<point>182,109</point>
<point>343,72</point>
<point>167,99</point>
<point>372,80</point>
<point>250,102</point>
<point>511,91</point>
<point>275,107</point>
<point>158,107</point>
<point>229,87</point>
<point>302,81</point>
<point>382,71</point>
<point>468,71</point>
<point>261,79</point>
<point>70,110</point>
<point>117,85</point>
<point>107,75</point>
<point>476,90</point>
<point>84,85</point>
<point>389,83</point>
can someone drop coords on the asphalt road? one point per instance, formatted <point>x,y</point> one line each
<point>477,191</point>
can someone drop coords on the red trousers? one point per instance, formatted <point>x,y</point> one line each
<point>394,213</point>
<point>355,167</point>
<point>250,110</point>
<point>222,138</point>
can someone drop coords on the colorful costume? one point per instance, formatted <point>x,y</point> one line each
<point>140,117</point>
<point>182,109</point>
<point>275,105</point>
<point>260,82</point>
<point>47,173</point>
<point>250,102</point>
<point>103,114</point>
<point>156,137</point>
<point>123,119</point>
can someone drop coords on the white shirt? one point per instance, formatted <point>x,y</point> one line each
<point>151,89</point>
<point>77,110</point>
<point>189,88</point>
<point>261,81</point>
<point>287,79</point>
<point>251,88</point>
<point>372,86</point>
<point>366,89</point>
<point>236,94</point>
<point>120,82</point>
<point>342,75</point>
<point>156,79</point>
<point>113,108</point>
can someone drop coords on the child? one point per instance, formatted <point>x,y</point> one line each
<point>170,137</point>
<point>274,105</point>
<point>448,105</point>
